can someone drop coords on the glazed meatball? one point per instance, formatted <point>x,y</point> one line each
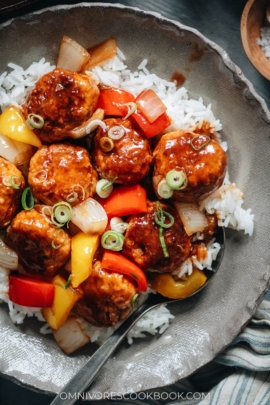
<point>129,160</point>
<point>142,242</point>
<point>62,172</point>
<point>33,236</point>
<point>64,100</point>
<point>10,196</point>
<point>201,158</point>
<point>107,297</point>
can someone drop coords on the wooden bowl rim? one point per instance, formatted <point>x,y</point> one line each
<point>261,63</point>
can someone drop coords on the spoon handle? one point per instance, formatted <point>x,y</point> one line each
<point>85,376</point>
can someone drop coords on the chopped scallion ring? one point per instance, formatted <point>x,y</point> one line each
<point>162,242</point>
<point>15,182</point>
<point>112,241</point>
<point>56,236</point>
<point>106,144</point>
<point>104,188</point>
<point>35,121</point>
<point>160,217</point>
<point>164,189</point>
<point>72,197</point>
<point>68,282</point>
<point>118,225</point>
<point>198,148</point>
<point>40,177</point>
<point>177,179</point>
<point>134,300</point>
<point>61,213</point>
<point>116,132</point>
<point>27,200</point>
<point>132,107</point>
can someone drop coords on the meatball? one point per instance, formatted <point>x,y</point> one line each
<point>142,242</point>
<point>129,160</point>
<point>10,196</point>
<point>107,297</point>
<point>65,100</point>
<point>33,236</point>
<point>201,158</point>
<point>62,172</point>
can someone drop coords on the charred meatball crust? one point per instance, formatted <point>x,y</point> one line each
<point>205,168</point>
<point>59,170</point>
<point>31,235</point>
<point>64,100</point>
<point>10,197</point>
<point>107,297</point>
<point>142,242</point>
<point>130,159</point>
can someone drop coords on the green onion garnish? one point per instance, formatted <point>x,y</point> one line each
<point>104,187</point>
<point>61,213</point>
<point>68,282</point>
<point>56,236</point>
<point>15,181</point>
<point>160,215</point>
<point>116,132</point>
<point>132,107</point>
<point>27,200</point>
<point>201,146</point>
<point>177,179</point>
<point>162,242</point>
<point>112,241</point>
<point>106,144</point>
<point>35,121</point>
<point>134,300</point>
<point>164,189</point>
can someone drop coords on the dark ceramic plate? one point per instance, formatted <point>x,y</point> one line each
<point>208,322</point>
<point>13,5</point>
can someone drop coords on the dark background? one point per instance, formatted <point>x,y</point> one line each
<point>219,20</point>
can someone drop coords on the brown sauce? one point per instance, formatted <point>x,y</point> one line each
<point>178,78</point>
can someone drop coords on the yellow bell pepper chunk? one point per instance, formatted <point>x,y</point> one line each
<point>13,125</point>
<point>83,248</point>
<point>166,285</point>
<point>64,300</point>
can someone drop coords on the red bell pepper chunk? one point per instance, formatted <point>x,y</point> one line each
<point>149,103</point>
<point>150,130</point>
<point>120,264</point>
<point>125,200</point>
<point>112,100</point>
<point>30,292</point>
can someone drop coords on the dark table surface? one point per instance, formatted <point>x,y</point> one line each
<point>219,20</point>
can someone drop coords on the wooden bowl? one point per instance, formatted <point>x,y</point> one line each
<point>253,19</point>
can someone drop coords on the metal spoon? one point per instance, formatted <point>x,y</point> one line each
<point>85,376</point>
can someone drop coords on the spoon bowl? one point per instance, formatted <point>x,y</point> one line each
<point>86,375</point>
<point>254,17</point>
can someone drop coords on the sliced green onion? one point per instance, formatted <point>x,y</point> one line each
<point>41,176</point>
<point>112,241</point>
<point>61,213</point>
<point>12,181</point>
<point>162,242</point>
<point>201,146</point>
<point>27,200</point>
<point>160,217</point>
<point>177,179</point>
<point>118,225</point>
<point>73,196</point>
<point>56,236</point>
<point>164,189</point>
<point>68,282</point>
<point>132,107</point>
<point>116,132</point>
<point>106,144</point>
<point>35,121</point>
<point>104,188</point>
<point>134,300</point>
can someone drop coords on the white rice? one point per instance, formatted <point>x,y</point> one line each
<point>264,41</point>
<point>186,113</point>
